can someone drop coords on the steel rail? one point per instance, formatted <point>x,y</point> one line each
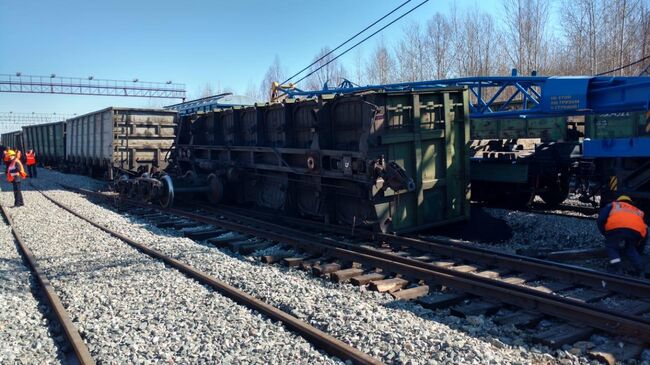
<point>79,347</point>
<point>520,296</point>
<point>459,250</point>
<point>320,339</point>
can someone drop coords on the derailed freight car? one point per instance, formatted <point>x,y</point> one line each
<point>394,161</point>
<point>47,141</point>
<point>116,142</point>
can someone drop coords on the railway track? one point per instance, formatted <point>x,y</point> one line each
<point>80,353</point>
<point>474,281</point>
<point>318,338</point>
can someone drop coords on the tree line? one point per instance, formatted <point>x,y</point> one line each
<point>592,37</point>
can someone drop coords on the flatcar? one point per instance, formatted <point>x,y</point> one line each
<point>597,156</point>
<point>514,160</point>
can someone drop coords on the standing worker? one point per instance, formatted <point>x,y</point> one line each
<point>31,163</point>
<point>15,174</point>
<point>623,226</point>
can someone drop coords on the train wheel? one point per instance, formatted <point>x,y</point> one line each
<point>556,194</point>
<point>215,195</point>
<point>122,185</point>
<point>167,192</point>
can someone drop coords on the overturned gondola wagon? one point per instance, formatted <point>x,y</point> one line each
<point>393,161</point>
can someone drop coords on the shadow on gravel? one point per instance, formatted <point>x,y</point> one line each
<point>480,227</point>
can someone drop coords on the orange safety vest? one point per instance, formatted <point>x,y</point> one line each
<point>14,171</point>
<point>625,215</point>
<point>31,158</point>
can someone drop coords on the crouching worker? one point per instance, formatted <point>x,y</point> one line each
<point>624,229</point>
<point>15,174</point>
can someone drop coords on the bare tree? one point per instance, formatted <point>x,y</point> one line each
<point>644,36</point>
<point>583,24</point>
<point>275,73</point>
<point>326,70</point>
<point>207,90</point>
<point>624,23</point>
<point>476,41</point>
<point>439,39</point>
<point>413,60</point>
<point>380,68</point>
<point>526,35</point>
<point>604,35</point>
<point>359,74</point>
<point>253,91</point>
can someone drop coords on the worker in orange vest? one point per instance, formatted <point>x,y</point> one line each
<point>15,174</point>
<point>623,226</point>
<point>31,163</point>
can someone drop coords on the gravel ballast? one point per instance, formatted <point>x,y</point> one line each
<point>130,308</point>
<point>532,232</point>
<point>548,231</point>
<point>393,331</point>
<point>25,336</point>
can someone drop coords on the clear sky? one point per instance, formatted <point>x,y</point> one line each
<point>228,44</point>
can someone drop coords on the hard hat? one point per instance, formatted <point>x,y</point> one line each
<point>11,153</point>
<point>624,198</point>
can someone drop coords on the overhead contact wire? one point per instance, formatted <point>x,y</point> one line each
<point>347,41</point>
<point>363,40</point>
<point>624,66</point>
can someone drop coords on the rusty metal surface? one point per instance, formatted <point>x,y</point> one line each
<point>79,347</point>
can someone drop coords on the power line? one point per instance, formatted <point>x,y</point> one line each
<point>363,40</point>
<point>625,66</point>
<point>346,42</point>
<point>646,71</point>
